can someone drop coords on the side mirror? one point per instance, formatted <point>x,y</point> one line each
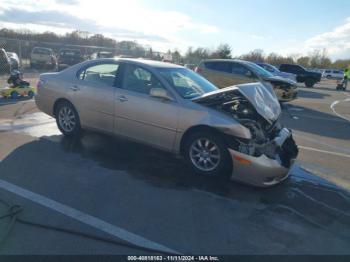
<point>160,93</point>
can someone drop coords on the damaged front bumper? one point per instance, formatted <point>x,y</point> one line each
<point>264,171</point>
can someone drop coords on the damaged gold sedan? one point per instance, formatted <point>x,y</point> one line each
<point>233,132</point>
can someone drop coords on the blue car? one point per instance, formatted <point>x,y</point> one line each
<point>275,71</point>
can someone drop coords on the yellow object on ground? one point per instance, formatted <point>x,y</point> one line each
<point>16,92</point>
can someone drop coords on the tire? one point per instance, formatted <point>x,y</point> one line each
<point>67,119</point>
<point>14,95</point>
<point>309,83</point>
<point>220,162</point>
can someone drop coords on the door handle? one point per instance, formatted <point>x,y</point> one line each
<point>122,98</point>
<point>74,88</point>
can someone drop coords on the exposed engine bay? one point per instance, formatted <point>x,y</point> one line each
<point>268,135</point>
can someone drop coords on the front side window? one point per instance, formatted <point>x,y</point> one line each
<point>259,70</point>
<point>140,80</point>
<point>238,69</point>
<point>100,74</point>
<point>186,83</point>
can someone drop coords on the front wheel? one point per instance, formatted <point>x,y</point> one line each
<point>207,154</point>
<point>67,119</point>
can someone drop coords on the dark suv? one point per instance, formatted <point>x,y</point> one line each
<point>308,77</point>
<point>69,57</point>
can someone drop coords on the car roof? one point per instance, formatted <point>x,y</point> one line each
<point>46,48</point>
<point>69,49</point>
<point>150,63</point>
<point>227,60</point>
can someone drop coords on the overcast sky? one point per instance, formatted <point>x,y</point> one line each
<point>275,26</point>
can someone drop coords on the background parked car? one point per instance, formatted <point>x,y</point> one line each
<point>332,73</point>
<point>276,72</point>
<point>190,66</point>
<point>14,60</point>
<point>69,57</point>
<point>5,62</point>
<point>310,78</point>
<point>42,57</point>
<point>101,54</point>
<point>227,72</point>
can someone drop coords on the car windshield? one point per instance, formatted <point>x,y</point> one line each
<point>41,51</point>
<point>259,70</point>
<point>186,83</point>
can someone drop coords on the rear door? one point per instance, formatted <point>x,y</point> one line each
<point>93,95</point>
<point>219,73</point>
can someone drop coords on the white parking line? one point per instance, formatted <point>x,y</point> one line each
<point>85,218</point>
<point>324,151</point>
<point>335,112</point>
<point>319,141</point>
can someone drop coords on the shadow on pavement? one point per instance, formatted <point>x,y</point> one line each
<point>303,193</point>
<point>311,94</point>
<point>76,170</point>
<point>316,122</point>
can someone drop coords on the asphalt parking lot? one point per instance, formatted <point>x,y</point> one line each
<point>123,191</point>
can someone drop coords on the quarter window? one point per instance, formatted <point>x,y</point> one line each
<point>140,80</point>
<point>100,74</point>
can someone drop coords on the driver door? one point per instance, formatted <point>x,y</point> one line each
<point>141,117</point>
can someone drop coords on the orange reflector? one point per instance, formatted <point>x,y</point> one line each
<point>242,160</point>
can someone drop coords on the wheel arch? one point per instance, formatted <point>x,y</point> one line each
<point>193,130</point>
<point>59,101</point>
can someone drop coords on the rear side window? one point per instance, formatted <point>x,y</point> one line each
<point>100,74</point>
<point>219,66</point>
<point>292,68</point>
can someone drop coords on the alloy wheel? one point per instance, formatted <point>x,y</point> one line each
<point>205,154</point>
<point>67,119</point>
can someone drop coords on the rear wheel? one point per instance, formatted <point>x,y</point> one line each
<point>67,119</point>
<point>309,83</point>
<point>207,154</point>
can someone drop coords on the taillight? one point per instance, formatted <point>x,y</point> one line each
<point>198,69</point>
<point>40,83</point>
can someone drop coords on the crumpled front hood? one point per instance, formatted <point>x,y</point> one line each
<point>262,97</point>
<point>280,79</point>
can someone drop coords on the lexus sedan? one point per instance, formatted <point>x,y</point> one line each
<point>231,132</point>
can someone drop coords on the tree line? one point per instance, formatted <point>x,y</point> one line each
<point>315,59</point>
